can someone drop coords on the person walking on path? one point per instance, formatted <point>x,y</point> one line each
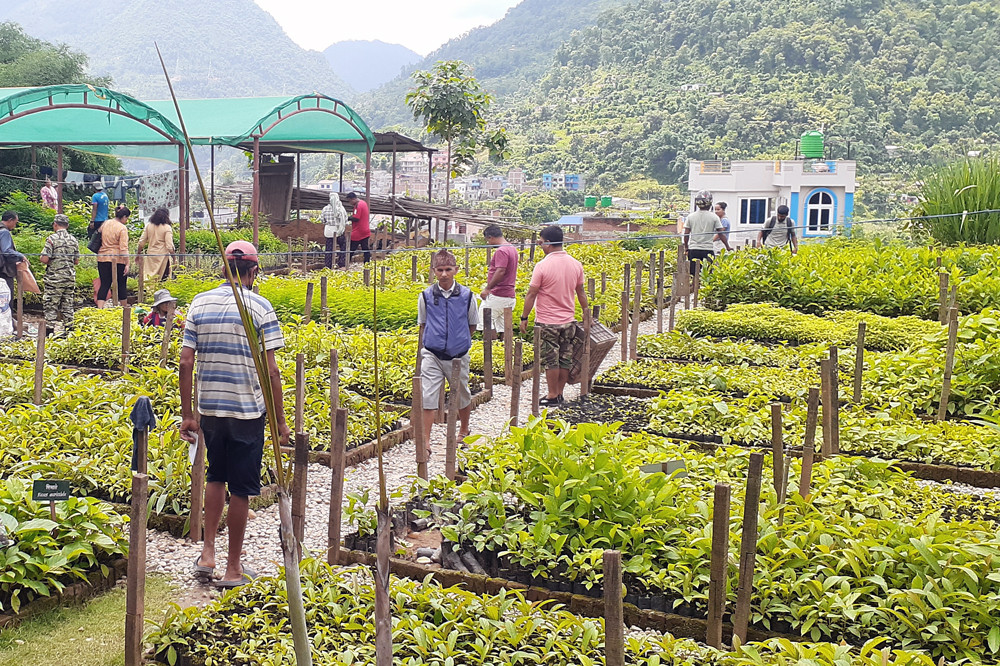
<point>232,415</point>
<point>112,258</point>
<point>554,280</point>
<point>98,208</point>
<point>360,226</point>
<point>499,294</point>
<point>334,218</point>
<point>727,226</point>
<point>779,231</point>
<point>700,230</point>
<point>10,258</point>
<point>50,198</point>
<point>447,316</point>
<point>159,237</point>
<point>60,256</point>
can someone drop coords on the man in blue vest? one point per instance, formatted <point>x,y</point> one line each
<point>447,315</point>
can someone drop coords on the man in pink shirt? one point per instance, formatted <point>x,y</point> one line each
<point>360,227</point>
<point>499,294</point>
<point>553,282</point>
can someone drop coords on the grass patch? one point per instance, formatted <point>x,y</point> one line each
<point>90,634</point>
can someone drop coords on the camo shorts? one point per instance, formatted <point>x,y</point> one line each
<point>557,345</point>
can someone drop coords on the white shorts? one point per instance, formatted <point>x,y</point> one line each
<point>496,304</point>
<point>434,372</point>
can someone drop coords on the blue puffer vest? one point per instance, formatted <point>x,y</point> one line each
<point>446,326</point>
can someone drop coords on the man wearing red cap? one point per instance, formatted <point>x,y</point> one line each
<point>231,409</point>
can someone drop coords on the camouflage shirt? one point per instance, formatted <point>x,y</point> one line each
<point>63,250</point>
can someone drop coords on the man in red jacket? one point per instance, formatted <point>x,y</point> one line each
<point>360,228</point>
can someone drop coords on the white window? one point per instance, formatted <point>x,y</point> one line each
<point>753,211</point>
<point>819,218</point>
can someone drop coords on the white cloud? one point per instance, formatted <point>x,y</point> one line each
<point>315,24</point>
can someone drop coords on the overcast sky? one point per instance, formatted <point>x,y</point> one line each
<point>421,26</point>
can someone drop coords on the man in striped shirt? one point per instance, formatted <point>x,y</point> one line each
<point>230,405</point>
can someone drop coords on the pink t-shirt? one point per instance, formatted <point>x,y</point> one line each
<point>504,257</point>
<point>360,229</point>
<point>557,276</point>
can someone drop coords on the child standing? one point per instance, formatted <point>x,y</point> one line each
<point>447,315</point>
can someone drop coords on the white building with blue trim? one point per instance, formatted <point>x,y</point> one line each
<point>819,193</point>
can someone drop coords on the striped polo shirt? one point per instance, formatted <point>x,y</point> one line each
<point>227,378</point>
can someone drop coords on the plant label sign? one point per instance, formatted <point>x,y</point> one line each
<point>50,491</point>
<point>671,468</point>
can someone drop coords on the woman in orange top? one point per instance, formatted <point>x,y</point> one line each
<point>113,257</point>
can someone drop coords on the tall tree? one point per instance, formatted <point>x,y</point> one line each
<point>453,107</point>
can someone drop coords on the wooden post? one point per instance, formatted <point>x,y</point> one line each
<point>835,404</point>
<point>452,442</point>
<point>488,350</point>
<point>672,302</point>
<point>299,481</point>
<point>720,565</point>
<point>367,277</point>
<point>636,306</point>
<point>949,364</point>
<point>197,519</point>
<point>323,305</point>
<point>515,390</point>
<point>334,382</point>
<point>300,392</point>
<point>305,255</point>
<point>604,282</point>
<point>827,401</point>
<point>289,256</point>
<point>140,278</point>
<point>652,272</point>
<point>536,372</point>
<point>585,370</point>
<point>809,443</point>
<point>859,361</point>
<point>417,423</point>
<point>534,242</point>
<point>489,255</point>
<point>624,326</point>
<point>777,448</point>
<point>126,337</point>
<point>168,327</point>
<point>413,267</point>
<point>508,349</point>
<point>39,363</point>
<point>748,547</point>
<point>20,309</point>
<point>338,446</point>
<point>114,284</point>
<point>614,622</point>
<point>467,262</point>
<point>697,282</point>
<point>943,279</point>
<point>136,582</point>
<point>382,277</point>
<point>309,303</point>
<point>659,293</point>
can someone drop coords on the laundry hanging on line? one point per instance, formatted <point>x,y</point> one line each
<point>161,190</point>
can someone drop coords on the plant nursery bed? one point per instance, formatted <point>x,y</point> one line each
<point>178,526</point>
<point>80,591</point>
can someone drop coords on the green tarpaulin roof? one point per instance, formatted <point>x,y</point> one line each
<point>103,120</point>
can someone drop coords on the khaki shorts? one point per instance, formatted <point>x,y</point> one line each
<point>557,345</point>
<point>434,372</point>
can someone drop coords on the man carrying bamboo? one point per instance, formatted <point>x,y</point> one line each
<point>231,405</point>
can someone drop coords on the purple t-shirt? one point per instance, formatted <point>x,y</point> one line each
<point>505,256</point>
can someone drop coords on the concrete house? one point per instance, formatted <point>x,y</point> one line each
<point>818,192</point>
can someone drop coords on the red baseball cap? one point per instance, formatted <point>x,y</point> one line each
<point>241,249</point>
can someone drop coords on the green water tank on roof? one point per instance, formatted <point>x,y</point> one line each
<point>811,145</point>
<point>606,202</point>
<point>590,202</point>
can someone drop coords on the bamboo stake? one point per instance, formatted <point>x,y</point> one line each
<point>949,364</point>
<point>827,400</point>
<point>168,327</point>
<point>515,390</point>
<point>309,303</point>
<point>39,363</point>
<point>136,581</point>
<point>126,337</point>
<point>334,382</point>
<point>293,581</point>
<point>488,350</point>
<point>614,624</point>
<point>720,565</point>
<point>835,396</point>
<point>536,372</point>
<point>809,443</point>
<point>659,293</point>
<point>943,279</point>
<point>417,423</point>
<point>859,361</point>
<point>777,448</point>
<point>452,442</point>
<point>508,348</point>
<point>197,519</point>
<point>624,326</point>
<point>338,446</point>
<point>636,306</point>
<point>748,547</point>
<point>299,481</point>
<point>585,370</point>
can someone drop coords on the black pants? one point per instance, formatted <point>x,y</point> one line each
<point>705,256</point>
<point>341,251</point>
<point>104,272</point>
<point>363,244</point>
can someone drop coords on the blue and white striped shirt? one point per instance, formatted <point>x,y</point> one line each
<point>227,377</point>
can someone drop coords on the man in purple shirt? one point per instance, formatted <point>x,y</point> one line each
<point>499,294</point>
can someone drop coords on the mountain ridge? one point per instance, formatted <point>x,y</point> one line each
<point>367,64</point>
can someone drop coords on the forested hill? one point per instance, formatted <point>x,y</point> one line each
<point>921,75</point>
<point>219,48</point>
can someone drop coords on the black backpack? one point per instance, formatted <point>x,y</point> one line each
<point>770,224</point>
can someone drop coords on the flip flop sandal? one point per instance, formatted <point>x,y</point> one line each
<point>548,402</point>
<point>248,576</point>
<point>202,574</point>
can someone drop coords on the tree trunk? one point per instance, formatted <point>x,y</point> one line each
<point>447,178</point>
